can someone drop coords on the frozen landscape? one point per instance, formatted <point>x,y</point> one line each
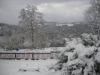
<point>49,37</point>
<point>27,67</point>
<point>80,56</point>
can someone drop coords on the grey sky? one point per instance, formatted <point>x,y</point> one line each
<point>53,10</point>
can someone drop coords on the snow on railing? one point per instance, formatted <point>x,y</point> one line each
<point>46,53</point>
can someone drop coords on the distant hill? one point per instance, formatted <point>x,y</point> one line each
<point>66,30</point>
<point>7,30</point>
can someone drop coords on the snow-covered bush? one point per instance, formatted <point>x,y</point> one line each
<point>89,39</point>
<point>81,56</point>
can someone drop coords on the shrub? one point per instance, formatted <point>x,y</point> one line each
<point>81,58</point>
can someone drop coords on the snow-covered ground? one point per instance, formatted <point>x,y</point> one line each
<point>27,67</point>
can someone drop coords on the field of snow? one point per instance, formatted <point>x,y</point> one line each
<point>27,67</point>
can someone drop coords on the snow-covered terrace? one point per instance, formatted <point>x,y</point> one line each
<point>46,53</point>
<point>43,50</point>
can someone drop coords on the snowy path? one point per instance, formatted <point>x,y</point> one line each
<point>11,67</point>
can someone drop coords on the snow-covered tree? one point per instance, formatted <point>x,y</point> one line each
<point>80,59</point>
<point>93,16</point>
<point>31,18</point>
<point>89,39</point>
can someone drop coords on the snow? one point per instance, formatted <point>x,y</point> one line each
<point>82,50</point>
<point>43,50</point>
<point>75,62</point>
<point>97,57</point>
<point>81,57</point>
<point>27,67</point>
<point>41,65</point>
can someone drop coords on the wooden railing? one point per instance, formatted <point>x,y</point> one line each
<point>29,55</point>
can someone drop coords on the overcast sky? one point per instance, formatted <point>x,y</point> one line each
<point>53,10</point>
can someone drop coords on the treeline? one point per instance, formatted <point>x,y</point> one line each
<point>14,36</point>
